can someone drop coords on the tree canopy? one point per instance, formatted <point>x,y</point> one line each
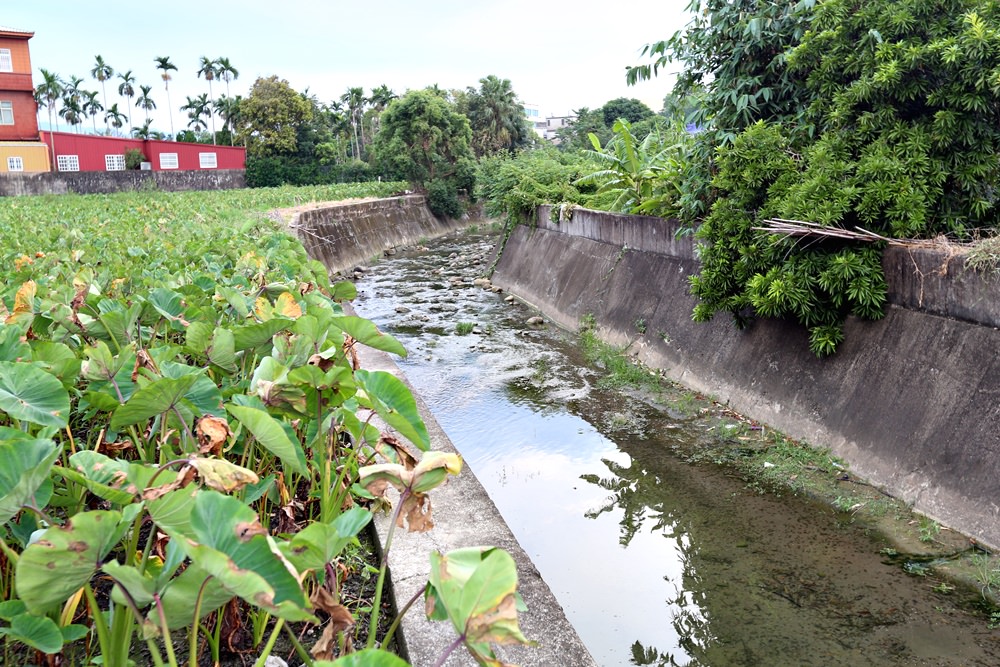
<point>270,116</point>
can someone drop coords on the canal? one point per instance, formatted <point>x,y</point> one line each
<point>659,556</point>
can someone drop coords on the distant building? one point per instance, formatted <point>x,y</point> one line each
<point>553,123</point>
<point>24,149</point>
<point>533,115</point>
<point>21,148</point>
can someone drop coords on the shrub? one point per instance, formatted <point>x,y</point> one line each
<point>134,158</point>
<point>442,199</point>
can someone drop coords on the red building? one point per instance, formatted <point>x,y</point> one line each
<point>91,152</point>
<point>20,148</point>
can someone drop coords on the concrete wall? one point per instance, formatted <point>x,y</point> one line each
<point>911,402</point>
<point>344,235</point>
<point>93,182</point>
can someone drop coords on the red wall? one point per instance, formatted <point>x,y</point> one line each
<point>91,150</point>
<point>25,127</point>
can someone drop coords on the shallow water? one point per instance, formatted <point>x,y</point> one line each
<point>656,561</point>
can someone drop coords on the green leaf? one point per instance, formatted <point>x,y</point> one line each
<point>38,632</point>
<point>166,302</point>
<point>255,335</point>
<point>64,558</point>
<point>365,332</point>
<point>153,399</point>
<point>271,436</point>
<point>57,359</point>
<point>344,290</point>
<point>185,590</point>
<point>24,466</point>
<point>369,657</point>
<point>140,586</point>
<point>28,393</point>
<point>224,537</point>
<point>103,476</point>
<point>12,344</point>
<point>222,351</point>
<point>394,403</point>
<point>318,544</point>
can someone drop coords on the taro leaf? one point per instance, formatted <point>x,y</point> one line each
<point>394,403</point>
<point>12,344</point>
<point>222,475</point>
<point>319,543</point>
<point>28,393</point>
<point>155,398</point>
<point>64,558</point>
<point>476,589</point>
<point>24,466</point>
<point>255,335</point>
<point>286,306</point>
<point>73,632</point>
<point>166,302</point>
<point>370,657</point>
<point>228,542</point>
<point>105,477</point>
<point>204,395</point>
<point>11,608</point>
<point>185,590</point>
<point>198,337</point>
<point>365,331</point>
<point>344,291</point>
<point>58,359</point>
<point>140,586</point>
<point>38,632</point>
<point>269,433</point>
<point>239,302</point>
<point>222,351</point>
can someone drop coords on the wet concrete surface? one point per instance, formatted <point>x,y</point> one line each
<point>657,561</point>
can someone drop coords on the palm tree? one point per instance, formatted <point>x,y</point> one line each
<point>208,70</point>
<point>196,108</point>
<point>114,116</point>
<point>127,90</point>
<point>47,94</point>
<point>496,116</point>
<point>91,106</point>
<point>380,99</point>
<point>102,72</point>
<point>355,100</point>
<point>71,109</point>
<point>228,109</point>
<point>226,72</point>
<point>145,102</point>
<point>165,66</point>
<point>142,132</point>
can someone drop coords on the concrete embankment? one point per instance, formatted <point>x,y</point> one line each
<point>911,402</point>
<point>345,234</point>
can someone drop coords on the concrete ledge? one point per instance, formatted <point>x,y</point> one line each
<point>345,234</point>
<point>464,516</point>
<point>911,402</point>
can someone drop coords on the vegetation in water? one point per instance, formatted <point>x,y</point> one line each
<point>188,443</point>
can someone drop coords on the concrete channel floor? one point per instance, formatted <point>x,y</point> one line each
<point>465,516</point>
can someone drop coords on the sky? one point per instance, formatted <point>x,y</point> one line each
<point>561,55</point>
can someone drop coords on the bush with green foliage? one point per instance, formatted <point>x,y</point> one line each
<point>423,140</point>
<point>134,158</point>
<point>884,116</point>
<point>442,199</point>
<point>515,186</point>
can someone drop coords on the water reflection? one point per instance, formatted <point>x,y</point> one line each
<point>656,561</point>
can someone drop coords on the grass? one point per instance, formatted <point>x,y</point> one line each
<point>984,257</point>
<point>464,328</point>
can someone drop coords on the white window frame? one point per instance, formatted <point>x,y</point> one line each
<point>15,163</point>
<point>208,161</point>
<point>169,161</point>
<point>6,61</point>
<point>68,162</point>
<point>114,162</point>
<point>6,112</point>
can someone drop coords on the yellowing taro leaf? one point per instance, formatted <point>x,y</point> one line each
<point>222,475</point>
<point>24,300</point>
<point>263,309</point>
<point>286,306</point>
